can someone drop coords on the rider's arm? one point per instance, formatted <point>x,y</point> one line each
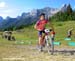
<point>35,26</point>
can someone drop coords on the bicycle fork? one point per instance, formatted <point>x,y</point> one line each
<point>49,44</point>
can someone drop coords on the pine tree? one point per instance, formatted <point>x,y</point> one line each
<point>69,10</point>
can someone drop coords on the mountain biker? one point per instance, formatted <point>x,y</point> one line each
<point>40,26</point>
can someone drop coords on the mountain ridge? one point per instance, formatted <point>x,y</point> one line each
<point>29,18</point>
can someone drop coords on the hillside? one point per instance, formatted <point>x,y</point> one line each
<point>61,29</point>
<point>11,50</point>
<point>29,34</point>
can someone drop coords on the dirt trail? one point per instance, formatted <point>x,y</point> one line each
<point>30,53</point>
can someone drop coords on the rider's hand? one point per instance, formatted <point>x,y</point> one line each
<point>35,26</point>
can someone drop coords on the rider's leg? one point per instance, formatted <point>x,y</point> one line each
<point>43,39</point>
<point>40,41</point>
<point>40,37</point>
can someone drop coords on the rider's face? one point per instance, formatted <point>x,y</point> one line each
<point>42,17</point>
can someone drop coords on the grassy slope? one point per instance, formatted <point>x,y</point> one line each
<point>30,34</point>
<point>8,50</point>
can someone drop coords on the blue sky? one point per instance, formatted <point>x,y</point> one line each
<point>13,8</point>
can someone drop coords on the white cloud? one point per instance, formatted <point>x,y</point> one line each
<point>2,4</point>
<point>9,12</point>
<point>5,12</point>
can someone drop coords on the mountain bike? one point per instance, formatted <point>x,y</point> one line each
<point>49,41</point>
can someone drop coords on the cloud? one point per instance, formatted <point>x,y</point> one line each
<point>2,4</point>
<point>5,12</point>
<point>9,12</point>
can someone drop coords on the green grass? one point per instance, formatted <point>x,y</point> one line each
<point>31,35</point>
<point>11,49</point>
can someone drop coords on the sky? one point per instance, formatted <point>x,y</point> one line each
<point>14,8</point>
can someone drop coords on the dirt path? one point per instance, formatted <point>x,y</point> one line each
<point>30,53</point>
